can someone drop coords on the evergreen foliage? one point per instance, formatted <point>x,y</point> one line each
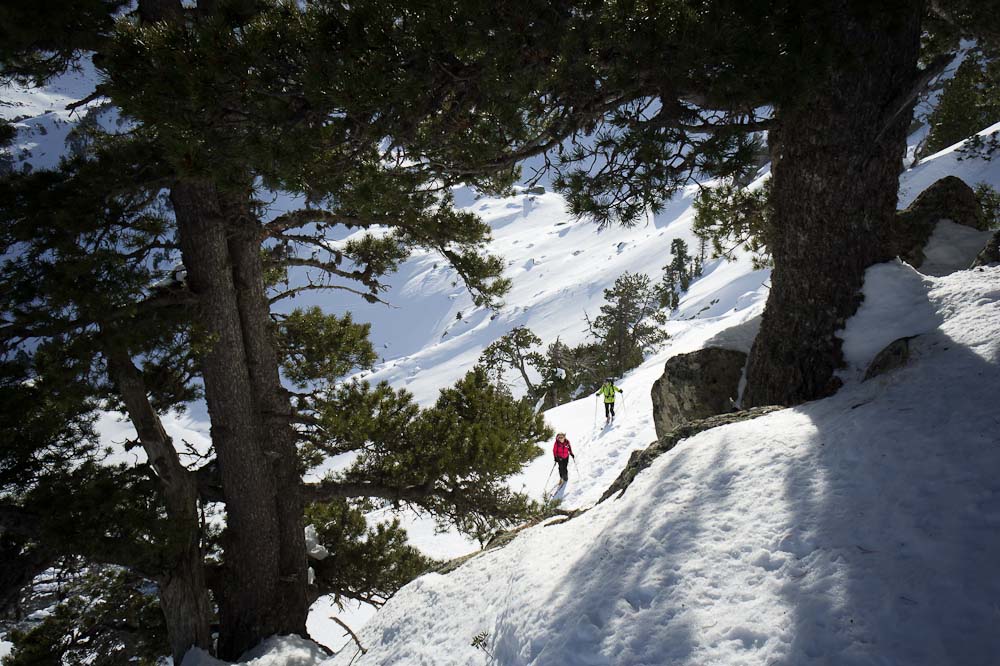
<point>678,274</point>
<point>989,202</point>
<point>513,351</point>
<point>450,460</point>
<point>629,324</point>
<point>969,102</point>
<point>628,327</point>
<point>103,615</point>
<point>365,563</point>
<point>564,370</point>
<point>112,300</point>
<point>319,348</point>
<point>370,111</point>
<point>729,217</point>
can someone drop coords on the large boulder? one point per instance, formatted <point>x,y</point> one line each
<point>695,386</point>
<point>990,253</point>
<point>948,199</point>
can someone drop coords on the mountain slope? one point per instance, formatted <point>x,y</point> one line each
<point>899,305</point>
<point>857,529</point>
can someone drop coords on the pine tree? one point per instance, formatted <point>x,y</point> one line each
<point>513,351</point>
<point>679,264</point>
<point>633,106</point>
<point>669,298</point>
<point>969,102</point>
<point>569,372</point>
<point>371,111</point>
<point>629,324</point>
<point>678,274</point>
<point>699,260</point>
<point>228,101</point>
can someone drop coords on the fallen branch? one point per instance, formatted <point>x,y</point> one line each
<point>361,648</point>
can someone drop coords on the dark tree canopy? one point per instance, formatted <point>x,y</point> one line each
<point>146,272</point>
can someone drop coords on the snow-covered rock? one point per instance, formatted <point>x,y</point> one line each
<point>274,651</point>
<point>314,548</point>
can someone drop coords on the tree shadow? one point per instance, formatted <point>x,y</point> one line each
<point>893,541</point>
<point>600,619</point>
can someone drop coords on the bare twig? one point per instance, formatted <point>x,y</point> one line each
<point>361,648</point>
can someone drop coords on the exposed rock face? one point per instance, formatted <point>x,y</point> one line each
<point>990,253</point>
<point>947,199</point>
<point>895,355</point>
<point>696,385</point>
<point>640,460</point>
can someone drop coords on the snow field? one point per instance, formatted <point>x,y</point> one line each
<point>860,529</point>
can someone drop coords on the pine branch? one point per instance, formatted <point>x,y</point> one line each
<point>329,490</point>
<point>98,93</point>
<point>157,444</point>
<point>361,648</point>
<point>297,219</point>
<point>19,520</point>
<point>904,101</point>
<point>19,569</point>
<point>19,330</point>
<point>290,293</point>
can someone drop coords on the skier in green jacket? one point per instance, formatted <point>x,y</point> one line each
<point>608,391</point>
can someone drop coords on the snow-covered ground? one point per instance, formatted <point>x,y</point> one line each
<point>861,529</point>
<point>837,532</point>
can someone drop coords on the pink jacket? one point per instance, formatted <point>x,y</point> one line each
<point>562,449</point>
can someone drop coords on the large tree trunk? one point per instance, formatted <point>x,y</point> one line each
<point>837,155</point>
<point>183,590</point>
<point>275,410</point>
<point>263,589</point>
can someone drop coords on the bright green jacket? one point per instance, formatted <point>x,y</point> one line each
<point>608,391</point>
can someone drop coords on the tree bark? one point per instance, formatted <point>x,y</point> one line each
<point>837,155</point>
<point>274,407</point>
<point>263,578</point>
<point>183,591</point>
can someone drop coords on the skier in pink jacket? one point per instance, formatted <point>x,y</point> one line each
<point>562,451</point>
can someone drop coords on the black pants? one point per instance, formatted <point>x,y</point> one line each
<point>609,409</point>
<point>563,468</point>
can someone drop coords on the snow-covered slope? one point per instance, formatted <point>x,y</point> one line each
<point>728,296</point>
<point>858,529</point>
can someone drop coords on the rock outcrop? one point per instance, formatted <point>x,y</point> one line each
<point>947,199</point>
<point>895,355</point>
<point>696,385</point>
<point>990,253</point>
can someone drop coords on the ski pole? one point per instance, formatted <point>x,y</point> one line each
<point>545,488</point>
<point>597,399</point>
<point>576,467</point>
